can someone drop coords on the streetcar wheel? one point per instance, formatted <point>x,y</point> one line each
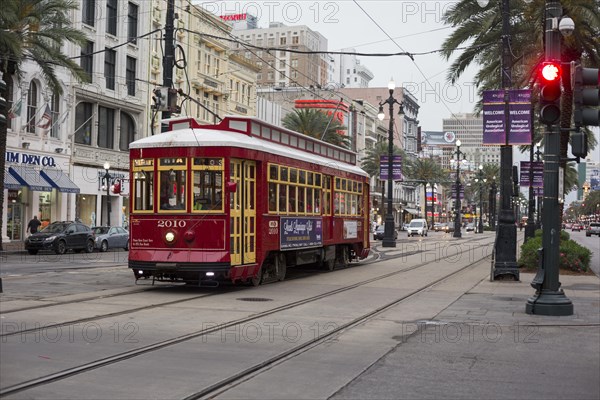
<point>329,265</point>
<point>89,247</point>
<point>104,246</point>
<point>257,279</point>
<point>344,256</point>
<point>61,247</point>
<point>32,252</point>
<point>281,267</point>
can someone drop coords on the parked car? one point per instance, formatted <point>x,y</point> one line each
<point>470,227</point>
<point>417,227</point>
<point>576,228</point>
<point>593,229</point>
<point>108,237</point>
<point>568,225</point>
<point>438,226</point>
<point>380,233</point>
<point>61,237</point>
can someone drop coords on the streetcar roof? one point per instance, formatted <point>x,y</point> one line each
<point>200,137</point>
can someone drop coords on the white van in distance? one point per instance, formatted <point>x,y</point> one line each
<point>417,227</point>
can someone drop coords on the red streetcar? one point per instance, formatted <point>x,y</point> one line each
<point>242,201</point>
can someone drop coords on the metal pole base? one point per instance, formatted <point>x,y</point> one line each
<point>548,302</point>
<point>457,234</point>
<point>506,270</point>
<point>387,243</point>
<point>529,231</point>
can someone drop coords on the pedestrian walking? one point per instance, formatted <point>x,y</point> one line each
<point>33,225</point>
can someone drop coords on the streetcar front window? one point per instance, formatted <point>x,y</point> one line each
<point>172,190</point>
<point>207,184</point>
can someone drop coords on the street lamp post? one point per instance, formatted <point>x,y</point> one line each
<point>538,225</point>
<point>107,178</point>
<point>457,219</point>
<point>505,260</point>
<point>481,180</point>
<point>388,235</point>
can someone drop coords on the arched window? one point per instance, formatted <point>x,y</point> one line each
<point>127,131</point>
<point>83,123</point>
<point>32,101</point>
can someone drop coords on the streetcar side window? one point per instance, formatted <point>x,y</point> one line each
<point>348,197</point>
<point>294,191</point>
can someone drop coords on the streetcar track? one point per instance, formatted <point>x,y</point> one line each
<point>225,384</point>
<point>40,381</point>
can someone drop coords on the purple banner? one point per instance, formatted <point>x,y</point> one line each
<point>462,191</point>
<point>538,173</point>
<point>519,120</point>
<point>301,232</point>
<point>493,117</point>
<point>396,168</point>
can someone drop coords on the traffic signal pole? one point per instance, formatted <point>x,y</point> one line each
<point>169,56</point>
<point>549,298</point>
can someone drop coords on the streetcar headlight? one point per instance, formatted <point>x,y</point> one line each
<point>210,274</point>
<point>169,237</point>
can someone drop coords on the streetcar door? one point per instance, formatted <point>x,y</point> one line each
<point>243,212</point>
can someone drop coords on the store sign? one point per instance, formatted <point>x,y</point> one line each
<point>29,159</point>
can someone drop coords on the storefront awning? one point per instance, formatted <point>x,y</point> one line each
<point>10,182</point>
<point>411,211</point>
<point>60,181</point>
<point>30,177</point>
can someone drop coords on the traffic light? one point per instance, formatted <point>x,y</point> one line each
<point>579,146</point>
<point>585,97</point>
<point>550,91</point>
<point>3,103</point>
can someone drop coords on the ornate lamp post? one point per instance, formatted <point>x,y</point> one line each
<point>107,178</point>
<point>481,181</point>
<point>506,237</point>
<point>388,235</point>
<point>457,220</point>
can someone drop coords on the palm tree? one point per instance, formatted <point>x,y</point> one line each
<point>35,31</point>
<point>481,29</point>
<point>372,160</point>
<point>425,171</point>
<point>317,124</point>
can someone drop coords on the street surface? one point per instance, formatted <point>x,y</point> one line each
<point>420,320</point>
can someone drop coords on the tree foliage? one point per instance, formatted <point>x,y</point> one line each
<point>36,31</point>
<point>317,124</point>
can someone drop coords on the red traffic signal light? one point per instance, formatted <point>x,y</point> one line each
<point>551,71</point>
<point>550,92</point>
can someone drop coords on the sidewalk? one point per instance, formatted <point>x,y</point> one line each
<point>484,345</point>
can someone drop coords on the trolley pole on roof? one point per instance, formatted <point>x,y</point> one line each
<point>169,57</point>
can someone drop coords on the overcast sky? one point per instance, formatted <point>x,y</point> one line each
<point>415,26</point>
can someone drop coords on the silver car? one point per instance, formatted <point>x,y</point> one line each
<point>108,237</point>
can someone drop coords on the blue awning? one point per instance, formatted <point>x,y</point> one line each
<point>59,180</point>
<point>10,182</point>
<point>30,177</point>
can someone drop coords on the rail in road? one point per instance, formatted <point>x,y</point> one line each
<point>427,273</point>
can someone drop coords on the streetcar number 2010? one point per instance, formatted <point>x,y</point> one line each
<point>170,223</point>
